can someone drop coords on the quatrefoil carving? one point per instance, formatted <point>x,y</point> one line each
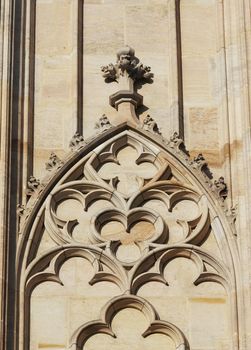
<point>128,234</point>
<point>127,166</point>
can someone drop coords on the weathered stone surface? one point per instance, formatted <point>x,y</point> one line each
<point>127,233</point>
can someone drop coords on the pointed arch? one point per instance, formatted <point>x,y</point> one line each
<point>173,180</point>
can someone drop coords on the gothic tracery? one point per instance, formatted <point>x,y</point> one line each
<point>128,223</point>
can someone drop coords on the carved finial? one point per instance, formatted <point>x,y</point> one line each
<point>32,185</point>
<point>126,61</point>
<point>126,71</point>
<point>149,124</point>
<point>125,55</point>
<point>76,142</point>
<point>53,162</point>
<point>103,124</point>
<point>220,188</point>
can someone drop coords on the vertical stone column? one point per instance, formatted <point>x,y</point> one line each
<point>11,102</point>
<point>5,34</point>
<point>237,46</point>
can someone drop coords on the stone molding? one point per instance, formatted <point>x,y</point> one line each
<point>79,177</point>
<point>236,14</point>
<point>175,145</point>
<point>104,324</point>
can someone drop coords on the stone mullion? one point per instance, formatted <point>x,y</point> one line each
<point>179,71</point>
<point>80,65</point>
<point>175,70</point>
<point>11,166</point>
<point>223,133</point>
<point>245,241</point>
<point>5,13</point>
<point>31,86</point>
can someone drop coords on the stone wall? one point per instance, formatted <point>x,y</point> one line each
<point>52,86</point>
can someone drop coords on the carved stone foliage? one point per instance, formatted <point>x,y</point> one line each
<point>150,124</point>
<point>127,62</point>
<point>220,188</point>
<point>129,74</point>
<point>103,124</point>
<point>128,211</point>
<point>53,162</point>
<point>76,141</point>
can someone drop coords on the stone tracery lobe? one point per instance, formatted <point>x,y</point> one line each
<point>128,238</point>
<point>127,165</point>
<point>133,210</point>
<point>115,224</point>
<point>104,324</point>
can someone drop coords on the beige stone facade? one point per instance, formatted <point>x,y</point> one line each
<point>125,174</point>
